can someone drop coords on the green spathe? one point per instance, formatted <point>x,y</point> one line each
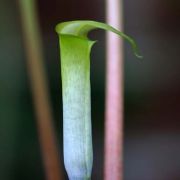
<point>76,106</point>
<point>75,50</point>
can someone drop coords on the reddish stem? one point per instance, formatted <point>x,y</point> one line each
<point>113,168</point>
<point>39,87</point>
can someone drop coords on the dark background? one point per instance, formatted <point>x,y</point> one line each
<point>152,88</point>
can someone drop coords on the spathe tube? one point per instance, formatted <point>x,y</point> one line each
<point>75,48</point>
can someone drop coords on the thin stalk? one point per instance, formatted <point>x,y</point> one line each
<point>35,67</point>
<point>113,166</point>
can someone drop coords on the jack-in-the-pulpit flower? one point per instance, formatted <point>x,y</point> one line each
<point>75,48</point>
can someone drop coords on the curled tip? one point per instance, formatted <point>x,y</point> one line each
<point>81,28</point>
<point>136,51</point>
<point>138,55</point>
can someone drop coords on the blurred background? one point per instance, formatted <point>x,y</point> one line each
<point>152,88</point>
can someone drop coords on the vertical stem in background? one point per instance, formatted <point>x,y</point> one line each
<point>113,168</point>
<point>36,72</point>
